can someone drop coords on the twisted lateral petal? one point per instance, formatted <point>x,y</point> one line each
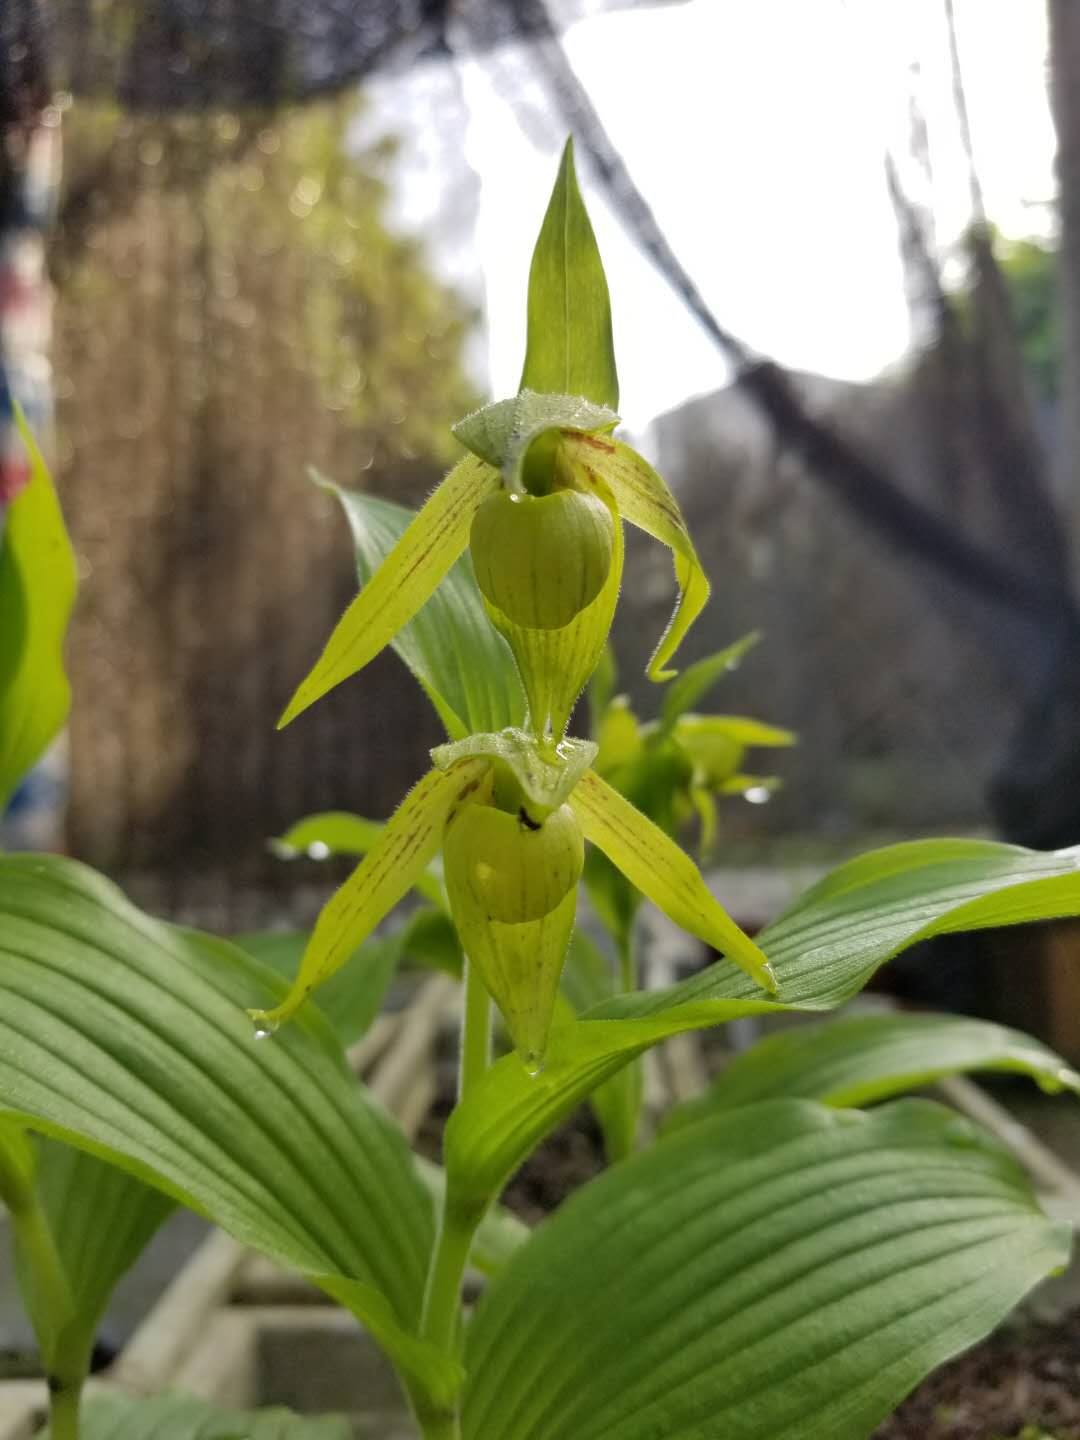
<point>663,872</point>
<point>643,498</point>
<point>405,579</point>
<point>389,869</point>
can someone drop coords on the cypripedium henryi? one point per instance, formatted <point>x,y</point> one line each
<point>539,502</point>
<point>539,505</point>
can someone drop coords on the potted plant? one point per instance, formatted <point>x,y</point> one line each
<point>777,1263</point>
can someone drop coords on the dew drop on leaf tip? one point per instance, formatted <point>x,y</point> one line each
<point>533,1062</point>
<point>757,795</point>
<point>318,850</point>
<point>263,1030</point>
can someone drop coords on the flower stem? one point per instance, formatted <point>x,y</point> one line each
<point>442,1298</point>
<point>64,1410</point>
<point>475,1031</point>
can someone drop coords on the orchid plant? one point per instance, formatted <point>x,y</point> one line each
<point>777,1265</point>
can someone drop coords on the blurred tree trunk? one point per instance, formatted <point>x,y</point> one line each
<point>1065,93</point>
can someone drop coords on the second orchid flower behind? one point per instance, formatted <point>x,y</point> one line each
<point>539,503</point>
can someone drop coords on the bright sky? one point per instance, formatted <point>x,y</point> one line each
<point>757,129</point>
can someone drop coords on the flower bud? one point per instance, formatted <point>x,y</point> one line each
<point>512,886</point>
<point>542,559</point>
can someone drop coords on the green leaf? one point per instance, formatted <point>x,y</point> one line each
<point>126,1038</point>
<point>100,1219</point>
<point>352,998</point>
<point>384,876</point>
<point>656,865</point>
<point>642,497</point>
<point>824,950</point>
<point>112,1415</point>
<point>450,645</point>
<point>37,591</point>
<point>569,349</point>
<point>697,680</point>
<point>337,832</point>
<point>405,579</point>
<point>858,1060</point>
<point>786,1272</point>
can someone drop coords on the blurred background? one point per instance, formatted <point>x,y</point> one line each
<point>239,238</point>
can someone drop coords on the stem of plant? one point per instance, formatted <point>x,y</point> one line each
<point>64,1411</point>
<point>442,1299</point>
<point>475,1031</point>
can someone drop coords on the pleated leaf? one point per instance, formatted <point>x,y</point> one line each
<point>116,1416</point>
<point>403,582</point>
<point>450,645</point>
<point>643,498</point>
<point>37,591</point>
<point>786,1272</point>
<point>100,1218</point>
<point>861,1059</point>
<point>569,347</point>
<point>127,1038</point>
<point>384,876</point>
<point>823,950</point>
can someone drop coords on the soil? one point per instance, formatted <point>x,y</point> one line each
<point>1021,1384</point>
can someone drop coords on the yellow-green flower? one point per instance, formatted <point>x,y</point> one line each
<point>511,818</point>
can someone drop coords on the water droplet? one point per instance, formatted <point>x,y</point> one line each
<point>768,975</point>
<point>263,1028</point>
<point>281,850</point>
<point>733,663</point>
<point>533,1062</point>
<point>318,850</point>
<point>757,795</point>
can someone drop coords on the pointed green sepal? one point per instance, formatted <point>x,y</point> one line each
<point>694,683</point>
<point>569,348</point>
<point>716,744</point>
<point>662,871</point>
<point>384,876</point>
<point>429,547</point>
<point>547,774</point>
<point>512,885</point>
<point>642,497</point>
